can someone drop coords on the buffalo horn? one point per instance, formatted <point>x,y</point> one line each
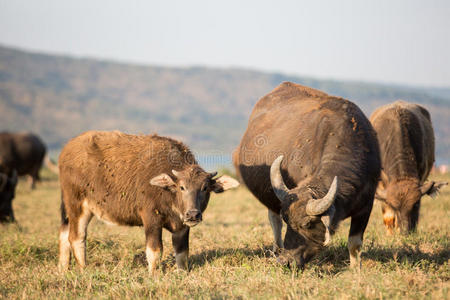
<point>317,207</point>
<point>280,189</point>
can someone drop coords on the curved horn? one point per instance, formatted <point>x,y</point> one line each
<point>276,179</point>
<point>211,175</point>
<point>3,181</point>
<point>319,206</point>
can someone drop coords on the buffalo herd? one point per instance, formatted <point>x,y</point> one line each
<point>311,159</point>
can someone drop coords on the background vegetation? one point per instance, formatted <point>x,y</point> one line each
<point>230,257</point>
<point>59,97</point>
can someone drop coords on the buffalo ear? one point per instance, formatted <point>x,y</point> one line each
<point>163,180</point>
<point>224,183</point>
<point>432,188</point>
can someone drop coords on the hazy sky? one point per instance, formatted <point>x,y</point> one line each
<point>398,41</point>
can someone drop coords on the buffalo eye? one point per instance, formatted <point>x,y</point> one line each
<point>306,223</point>
<point>182,188</point>
<point>204,188</point>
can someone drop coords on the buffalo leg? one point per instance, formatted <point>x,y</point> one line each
<point>77,235</point>
<point>277,224</point>
<point>6,212</point>
<point>64,248</point>
<point>154,246</point>
<point>355,238</point>
<point>180,242</point>
<point>31,182</point>
<point>33,177</point>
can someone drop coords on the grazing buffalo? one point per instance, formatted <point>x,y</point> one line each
<point>313,159</point>
<point>24,152</point>
<point>406,139</point>
<point>132,180</point>
<point>20,154</point>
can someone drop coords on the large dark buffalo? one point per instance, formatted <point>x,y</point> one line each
<point>320,155</point>
<point>124,179</point>
<point>406,139</point>
<point>24,152</point>
<point>20,154</point>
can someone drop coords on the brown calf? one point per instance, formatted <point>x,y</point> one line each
<point>124,179</point>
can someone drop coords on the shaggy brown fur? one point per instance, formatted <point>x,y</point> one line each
<point>406,139</point>
<point>129,180</point>
<point>321,137</point>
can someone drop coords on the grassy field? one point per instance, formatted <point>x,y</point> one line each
<point>230,257</point>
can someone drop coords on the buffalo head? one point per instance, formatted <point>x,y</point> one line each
<point>308,217</point>
<point>401,201</point>
<point>192,187</point>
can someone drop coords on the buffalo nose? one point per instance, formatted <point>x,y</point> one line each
<point>282,260</point>
<point>194,215</point>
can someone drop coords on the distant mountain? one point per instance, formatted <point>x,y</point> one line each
<point>59,97</point>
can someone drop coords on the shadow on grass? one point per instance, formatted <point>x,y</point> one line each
<point>331,260</point>
<point>407,254</point>
<point>235,254</point>
<point>206,257</point>
<point>338,256</point>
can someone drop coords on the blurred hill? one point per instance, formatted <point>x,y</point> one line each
<point>59,97</point>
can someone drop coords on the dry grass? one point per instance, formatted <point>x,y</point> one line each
<point>230,257</point>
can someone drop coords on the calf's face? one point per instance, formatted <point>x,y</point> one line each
<point>192,187</point>
<point>308,218</point>
<point>7,191</point>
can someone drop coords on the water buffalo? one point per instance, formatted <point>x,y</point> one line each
<point>406,139</point>
<point>135,180</point>
<point>20,154</point>
<point>313,159</point>
<point>24,152</point>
